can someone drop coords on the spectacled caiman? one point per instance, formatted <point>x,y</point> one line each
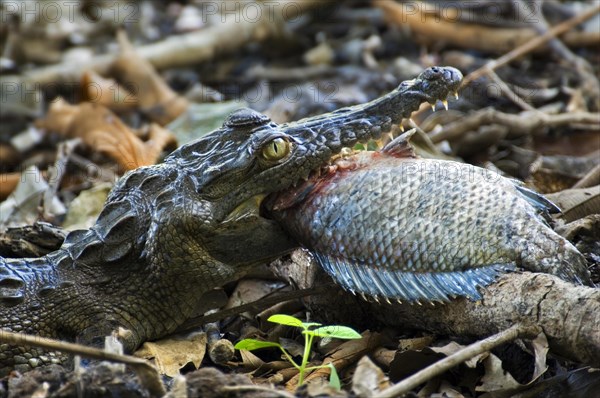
<point>170,232</point>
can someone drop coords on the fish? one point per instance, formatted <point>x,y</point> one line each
<point>390,225</point>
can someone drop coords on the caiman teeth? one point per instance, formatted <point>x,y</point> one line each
<point>456,94</point>
<point>432,107</point>
<point>445,103</point>
<point>345,152</point>
<point>401,127</point>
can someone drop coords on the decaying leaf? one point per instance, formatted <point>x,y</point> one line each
<point>85,208</point>
<point>407,363</point>
<point>8,183</point>
<point>577,203</point>
<point>249,290</point>
<point>540,348</point>
<point>250,362</point>
<point>103,131</point>
<point>106,92</point>
<point>453,347</point>
<point>587,226</point>
<point>201,119</point>
<point>448,390</point>
<point>155,98</point>
<point>368,378</point>
<point>170,355</point>
<point>495,377</point>
<point>34,240</point>
<point>556,173</point>
<point>22,207</point>
<point>416,343</point>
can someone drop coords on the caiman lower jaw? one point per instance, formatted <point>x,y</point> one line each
<point>248,208</point>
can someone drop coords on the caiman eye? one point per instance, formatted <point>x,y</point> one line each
<point>276,149</point>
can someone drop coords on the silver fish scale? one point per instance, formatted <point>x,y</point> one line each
<point>430,224</point>
<point>423,229</point>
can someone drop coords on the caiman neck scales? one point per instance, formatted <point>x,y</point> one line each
<point>170,232</point>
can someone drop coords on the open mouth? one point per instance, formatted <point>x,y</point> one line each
<point>362,127</point>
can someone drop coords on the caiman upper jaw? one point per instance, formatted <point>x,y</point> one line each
<point>326,136</point>
<point>438,82</point>
<point>315,141</point>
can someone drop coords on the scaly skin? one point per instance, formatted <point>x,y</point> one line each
<point>170,232</point>
<point>389,225</point>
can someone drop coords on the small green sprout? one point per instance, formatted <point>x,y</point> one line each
<point>310,330</point>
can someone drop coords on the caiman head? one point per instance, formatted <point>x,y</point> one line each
<point>235,167</point>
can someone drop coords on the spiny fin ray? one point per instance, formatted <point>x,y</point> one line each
<point>400,146</point>
<point>411,286</point>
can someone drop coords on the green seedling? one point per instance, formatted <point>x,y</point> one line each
<point>310,330</point>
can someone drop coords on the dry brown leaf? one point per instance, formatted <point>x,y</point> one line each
<point>103,131</point>
<point>447,390</point>
<point>453,347</point>
<point>249,290</point>
<point>8,155</point>
<point>8,182</point>
<point>495,377</point>
<point>587,226</point>
<point>432,28</point>
<point>417,343</point>
<point>155,97</point>
<point>540,348</point>
<point>22,207</point>
<point>577,203</point>
<point>250,361</point>
<point>170,355</point>
<point>107,92</point>
<point>85,208</point>
<point>368,378</point>
<point>406,363</point>
<point>383,356</point>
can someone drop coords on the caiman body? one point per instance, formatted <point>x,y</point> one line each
<point>169,233</point>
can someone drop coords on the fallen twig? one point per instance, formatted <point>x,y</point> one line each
<point>520,124</point>
<point>531,44</point>
<point>568,314</point>
<point>255,306</point>
<point>180,50</point>
<point>588,82</point>
<point>433,28</point>
<point>590,179</point>
<point>147,373</point>
<point>443,365</point>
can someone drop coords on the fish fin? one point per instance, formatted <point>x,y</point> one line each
<point>400,146</point>
<point>410,286</point>
<point>537,200</point>
<point>542,205</point>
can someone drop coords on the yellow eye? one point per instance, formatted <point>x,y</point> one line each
<point>276,149</point>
